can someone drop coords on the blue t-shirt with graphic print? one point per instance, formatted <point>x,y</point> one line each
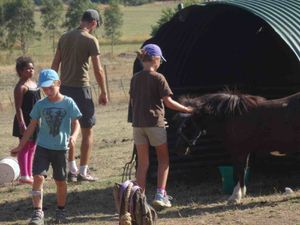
<point>55,122</point>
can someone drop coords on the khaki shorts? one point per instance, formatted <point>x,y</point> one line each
<point>154,136</point>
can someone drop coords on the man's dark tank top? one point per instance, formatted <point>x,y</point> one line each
<point>29,99</point>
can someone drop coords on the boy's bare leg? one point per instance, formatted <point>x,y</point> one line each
<point>61,193</point>
<point>143,164</point>
<point>163,165</point>
<point>37,191</point>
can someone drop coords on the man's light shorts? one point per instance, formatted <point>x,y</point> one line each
<point>154,136</point>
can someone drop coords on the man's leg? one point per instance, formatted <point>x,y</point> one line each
<point>73,170</point>
<point>85,152</point>
<point>86,145</point>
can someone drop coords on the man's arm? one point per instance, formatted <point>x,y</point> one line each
<point>56,60</point>
<point>100,78</point>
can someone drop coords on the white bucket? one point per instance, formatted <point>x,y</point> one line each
<point>9,170</point>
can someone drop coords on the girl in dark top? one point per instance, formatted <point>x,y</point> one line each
<point>26,94</point>
<point>149,93</point>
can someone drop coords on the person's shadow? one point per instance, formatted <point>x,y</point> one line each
<point>82,207</point>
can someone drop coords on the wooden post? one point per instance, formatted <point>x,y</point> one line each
<point>106,80</point>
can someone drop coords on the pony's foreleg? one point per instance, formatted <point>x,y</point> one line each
<point>243,175</point>
<point>237,195</point>
<point>239,190</point>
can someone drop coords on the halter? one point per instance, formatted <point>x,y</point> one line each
<point>191,142</point>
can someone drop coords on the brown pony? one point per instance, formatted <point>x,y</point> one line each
<point>245,124</point>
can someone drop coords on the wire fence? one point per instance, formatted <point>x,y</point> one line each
<point>117,80</point>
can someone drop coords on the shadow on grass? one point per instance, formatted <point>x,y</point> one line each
<point>82,206</point>
<point>200,193</point>
<point>198,211</point>
<point>195,195</point>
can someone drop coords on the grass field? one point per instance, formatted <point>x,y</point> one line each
<point>135,30</point>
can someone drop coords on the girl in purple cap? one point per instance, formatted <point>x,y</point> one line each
<point>149,92</point>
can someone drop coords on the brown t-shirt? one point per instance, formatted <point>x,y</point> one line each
<point>76,47</point>
<point>146,92</point>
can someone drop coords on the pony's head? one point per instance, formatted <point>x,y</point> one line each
<point>211,111</point>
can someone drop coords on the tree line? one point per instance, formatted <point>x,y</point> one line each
<point>18,26</point>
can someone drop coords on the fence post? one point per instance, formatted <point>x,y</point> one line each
<point>106,80</point>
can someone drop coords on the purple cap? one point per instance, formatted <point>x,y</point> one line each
<point>153,50</point>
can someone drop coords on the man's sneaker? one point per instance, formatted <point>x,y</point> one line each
<point>72,177</point>
<point>162,201</point>
<point>60,216</point>
<point>87,177</point>
<point>37,218</point>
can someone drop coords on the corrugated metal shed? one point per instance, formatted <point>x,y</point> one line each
<point>251,45</point>
<point>282,15</point>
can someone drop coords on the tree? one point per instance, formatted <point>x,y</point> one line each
<point>51,16</point>
<point>168,13</point>
<point>137,2</point>
<point>75,11</point>
<point>2,30</point>
<point>113,21</point>
<point>19,24</point>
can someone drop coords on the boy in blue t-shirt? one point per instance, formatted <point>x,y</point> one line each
<point>57,117</point>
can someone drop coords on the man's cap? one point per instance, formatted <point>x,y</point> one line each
<point>153,50</point>
<point>47,78</point>
<point>90,15</point>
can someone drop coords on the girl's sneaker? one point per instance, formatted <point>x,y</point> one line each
<point>25,181</point>
<point>162,201</point>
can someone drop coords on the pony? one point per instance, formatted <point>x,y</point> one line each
<point>245,124</point>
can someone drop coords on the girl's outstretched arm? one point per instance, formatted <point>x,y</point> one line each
<point>27,134</point>
<point>172,104</point>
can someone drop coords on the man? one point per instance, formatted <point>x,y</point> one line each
<point>74,50</point>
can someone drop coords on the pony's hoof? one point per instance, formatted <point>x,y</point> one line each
<point>233,201</point>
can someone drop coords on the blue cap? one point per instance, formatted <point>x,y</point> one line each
<point>47,78</point>
<point>153,50</point>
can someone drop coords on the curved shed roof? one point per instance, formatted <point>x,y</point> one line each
<point>253,45</point>
<point>283,17</point>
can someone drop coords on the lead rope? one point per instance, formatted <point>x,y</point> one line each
<point>126,217</point>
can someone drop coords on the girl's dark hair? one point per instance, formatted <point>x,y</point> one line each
<point>22,62</point>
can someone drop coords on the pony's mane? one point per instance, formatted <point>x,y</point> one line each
<point>223,104</point>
